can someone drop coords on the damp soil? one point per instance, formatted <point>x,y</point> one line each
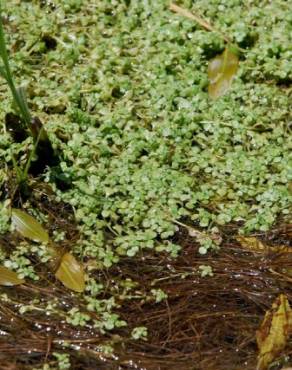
<point>205,323</point>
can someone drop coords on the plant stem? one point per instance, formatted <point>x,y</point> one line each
<point>6,71</point>
<point>19,173</point>
<point>21,106</point>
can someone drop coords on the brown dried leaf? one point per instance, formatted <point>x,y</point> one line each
<point>221,71</point>
<point>274,332</point>
<point>71,273</point>
<point>254,245</point>
<point>28,226</point>
<point>9,278</point>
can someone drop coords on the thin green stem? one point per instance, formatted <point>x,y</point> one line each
<point>19,172</point>
<point>6,72</point>
<point>21,105</point>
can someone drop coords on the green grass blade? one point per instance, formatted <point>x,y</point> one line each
<point>3,51</point>
<point>23,101</point>
<point>3,73</point>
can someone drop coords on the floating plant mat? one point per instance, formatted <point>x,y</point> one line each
<point>153,174</point>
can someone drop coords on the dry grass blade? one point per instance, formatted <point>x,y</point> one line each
<point>185,13</point>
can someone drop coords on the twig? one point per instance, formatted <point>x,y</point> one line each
<point>202,22</point>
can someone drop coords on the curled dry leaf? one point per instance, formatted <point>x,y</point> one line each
<point>9,278</point>
<point>28,226</point>
<point>274,332</point>
<point>71,273</point>
<point>221,71</point>
<point>254,245</point>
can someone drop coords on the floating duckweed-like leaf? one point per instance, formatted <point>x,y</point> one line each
<point>9,278</point>
<point>274,332</point>
<point>221,71</point>
<point>28,226</point>
<point>70,273</point>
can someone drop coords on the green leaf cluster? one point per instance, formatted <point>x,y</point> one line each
<point>142,143</point>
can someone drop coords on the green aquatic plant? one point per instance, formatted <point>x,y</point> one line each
<point>139,332</point>
<point>17,93</point>
<point>155,167</point>
<point>32,125</point>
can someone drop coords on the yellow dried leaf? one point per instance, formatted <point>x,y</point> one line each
<point>71,273</point>
<point>28,226</point>
<point>287,271</point>
<point>221,71</point>
<point>274,331</point>
<point>254,245</point>
<point>280,249</point>
<point>9,278</point>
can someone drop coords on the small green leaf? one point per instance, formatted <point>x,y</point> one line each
<point>29,227</point>
<point>221,71</point>
<point>9,278</point>
<point>71,274</point>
